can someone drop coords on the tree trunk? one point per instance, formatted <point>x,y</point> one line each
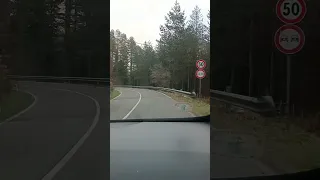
<point>250,58</point>
<point>66,35</point>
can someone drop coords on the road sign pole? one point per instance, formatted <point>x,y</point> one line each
<point>199,87</point>
<point>288,82</point>
<point>290,12</point>
<point>200,64</point>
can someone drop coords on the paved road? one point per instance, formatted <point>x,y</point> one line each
<point>47,141</point>
<point>143,104</point>
<point>228,159</point>
<point>64,135</point>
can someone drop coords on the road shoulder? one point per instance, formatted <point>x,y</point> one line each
<point>15,104</point>
<point>114,93</point>
<point>285,148</point>
<point>198,107</point>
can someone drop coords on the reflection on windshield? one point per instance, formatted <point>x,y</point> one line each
<point>163,78</point>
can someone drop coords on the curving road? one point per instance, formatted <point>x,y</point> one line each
<point>156,150</point>
<point>54,139</point>
<point>143,104</point>
<point>64,136</point>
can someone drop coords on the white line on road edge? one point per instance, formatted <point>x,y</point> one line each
<point>23,111</point>
<point>165,95</point>
<point>134,107</point>
<point>192,115</point>
<point>118,95</point>
<point>74,149</point>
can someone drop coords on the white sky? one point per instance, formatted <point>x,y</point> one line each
<point>141,19</point>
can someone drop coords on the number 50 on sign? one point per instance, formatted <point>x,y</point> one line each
<point>291,11</point>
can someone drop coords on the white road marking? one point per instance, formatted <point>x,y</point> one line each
<point>165,94</point>
<point>192,115</point>
<point>50,175</point>
<point>118,95</point>
<point>134,107</point>
<point>23,111</point>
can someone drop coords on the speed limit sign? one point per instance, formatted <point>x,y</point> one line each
<point>291,11</point>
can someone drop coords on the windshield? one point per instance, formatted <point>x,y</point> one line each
<point>160,60</point>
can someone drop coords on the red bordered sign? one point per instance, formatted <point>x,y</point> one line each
<point>289,39</point>
<point>200,74</point>
<point>201,64</point>
<point>291,11</point>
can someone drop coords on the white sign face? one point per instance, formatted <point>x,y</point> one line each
<point>201,64</point>
<point>289,39</point>
<point>291,11</point>
<point>200,74</point>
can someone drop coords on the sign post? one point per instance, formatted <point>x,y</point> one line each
<point>200,73</point>
<point>288,82</point>
<point>289,39</point>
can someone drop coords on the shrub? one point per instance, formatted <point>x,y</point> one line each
<point>5,84</point>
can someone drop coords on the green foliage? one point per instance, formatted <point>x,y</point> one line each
<point>59,38</point>
<point>5,84</point>
<point>160,76</point>
<point>171,62</point>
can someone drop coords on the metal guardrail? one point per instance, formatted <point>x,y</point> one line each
<point>158,88</point>
<point>88,80</point>
<point>257,105</point>
<point>61,79</point>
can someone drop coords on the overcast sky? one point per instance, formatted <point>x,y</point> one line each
<point>142,18</point>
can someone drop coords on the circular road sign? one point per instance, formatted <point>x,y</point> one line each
<point>289,39</point>
<point>291,11</point>
<point>201,64</point>
<point>200,74</point>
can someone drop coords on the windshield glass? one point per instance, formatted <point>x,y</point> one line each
<point>160,59</point>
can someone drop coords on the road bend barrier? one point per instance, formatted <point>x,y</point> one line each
<point>75,80</point>
<point>159,89</point>
<point>263,105</point>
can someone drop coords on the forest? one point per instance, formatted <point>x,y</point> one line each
<point>70,38</point>
<point>172,61</point>
<point>245,58</point>
<point>55,37</point>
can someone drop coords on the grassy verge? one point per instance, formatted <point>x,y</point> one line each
<point>114,93</point>
<point>285,147</point>
<point>200,107</point>
<point>14,103</point>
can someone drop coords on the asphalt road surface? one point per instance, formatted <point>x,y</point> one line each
<point>61,137</point>
<point>156,150</point>
<point>143,104</point>
<point>65,135</point>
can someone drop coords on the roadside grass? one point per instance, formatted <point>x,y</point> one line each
<point>114,93</point>
<point>13,103</point>
<point>200,106</point>
<point>285,146</point>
